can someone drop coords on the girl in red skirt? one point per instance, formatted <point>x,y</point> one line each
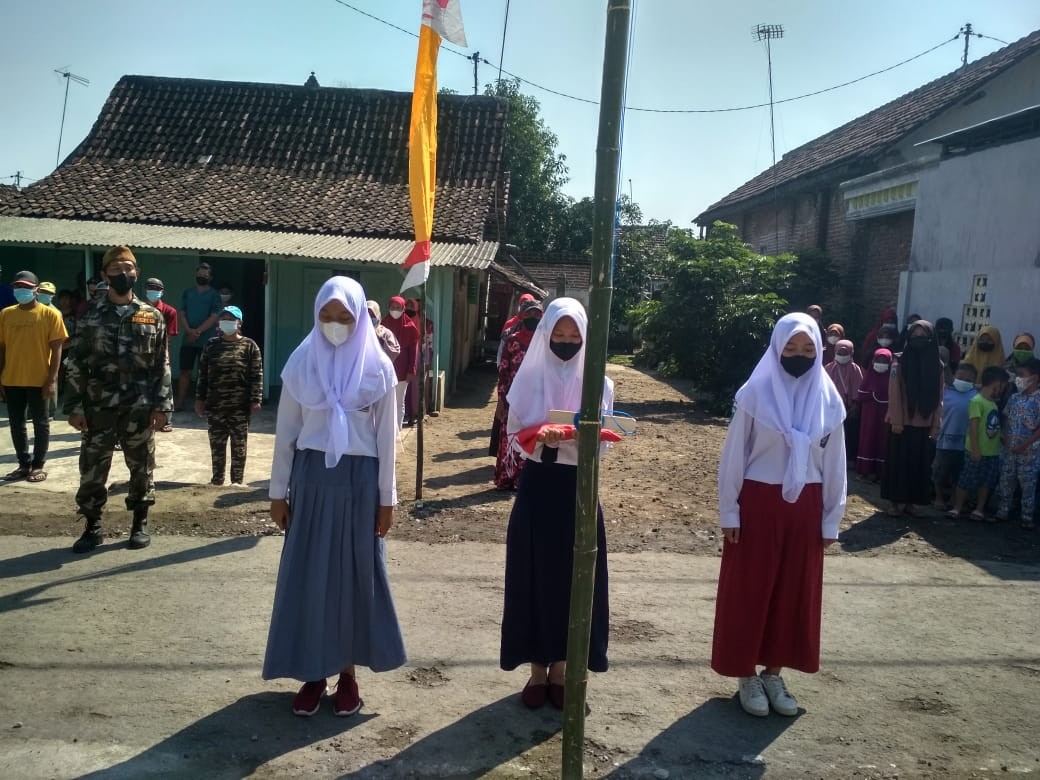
<point>781,496</point>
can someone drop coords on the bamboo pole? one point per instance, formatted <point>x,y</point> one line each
<point>608,158</point>
<point>420,370</point>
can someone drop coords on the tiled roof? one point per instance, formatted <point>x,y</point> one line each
<point>8,194</point>
<point>546,267</point>
<point>274,157</point>
<point>870,135</point>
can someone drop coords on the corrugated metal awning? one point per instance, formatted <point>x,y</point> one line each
<point>359,249</point>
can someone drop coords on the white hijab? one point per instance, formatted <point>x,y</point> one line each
<point>804,410</point>
<point>340,379</point>
<point>544,382</point>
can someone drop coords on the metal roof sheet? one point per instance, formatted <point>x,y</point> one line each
<point>275,244</point>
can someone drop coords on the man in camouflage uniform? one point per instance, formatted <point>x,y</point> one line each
<point>230,389</point>
<point>118,391</point>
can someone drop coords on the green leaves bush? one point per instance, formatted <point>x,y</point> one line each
<point>713,321</point>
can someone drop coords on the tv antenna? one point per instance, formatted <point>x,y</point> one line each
<point>767,33</point>
<point>69,77</point>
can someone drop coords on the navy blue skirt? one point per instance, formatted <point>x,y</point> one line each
<point>539,563</point>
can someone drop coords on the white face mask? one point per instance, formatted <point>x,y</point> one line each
<point>885,342</point>
<point>396,313</point>
<point>881,368</point>
<point>1023,383</point>
<point>843,359</point>
<point>227,327</point>
<point>832,340</point>
<point>336,332</point>
<point>962,385</point>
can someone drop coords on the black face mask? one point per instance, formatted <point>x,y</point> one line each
<point>918,342</point>
<point>121,284</point>
<point>531,323</point>
<point>796,365</point>
<point>202,281</point>
<point>564,350</point>
<point>986,346</point>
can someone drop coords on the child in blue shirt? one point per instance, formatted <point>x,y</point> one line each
<point>1021,442</point>
<point>949,445</point>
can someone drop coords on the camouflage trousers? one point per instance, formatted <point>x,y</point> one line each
<point>130,428</point>
<point>223,426</point>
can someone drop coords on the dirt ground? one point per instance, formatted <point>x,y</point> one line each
<point>658,489</point>
<point>114,666</point>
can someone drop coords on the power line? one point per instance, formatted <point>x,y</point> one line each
<point>590,102</point>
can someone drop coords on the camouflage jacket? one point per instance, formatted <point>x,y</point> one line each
<point>231,376</point>
<point>118,359</point>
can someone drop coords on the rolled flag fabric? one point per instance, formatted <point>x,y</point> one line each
<point>528,437</point>
<point>440,19</point>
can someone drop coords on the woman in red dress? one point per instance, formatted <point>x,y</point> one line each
<point>514,347</point>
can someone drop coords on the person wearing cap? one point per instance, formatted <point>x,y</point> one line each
<point>199,312</point>
<point>118,391</point>
<point>153,291</point>
<point>45,295</point>
<point>31,339</point>
<point>230,389</point>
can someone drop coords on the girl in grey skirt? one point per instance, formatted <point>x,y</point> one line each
<point>333,491</point>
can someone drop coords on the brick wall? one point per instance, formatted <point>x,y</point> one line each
<point>868,254</point>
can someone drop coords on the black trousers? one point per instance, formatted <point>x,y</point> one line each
<point>28,403</point>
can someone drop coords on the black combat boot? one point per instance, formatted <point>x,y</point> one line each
<point>139,536</point>
<point>91,537</point>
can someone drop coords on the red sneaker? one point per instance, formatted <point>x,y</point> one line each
<point>308,700</point>
<point>347,700</point>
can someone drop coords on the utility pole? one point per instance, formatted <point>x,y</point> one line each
<point>601,283</point>
<point>767,32</point>
<point>967,33</point>
<point>17,180</point>
<point>69,77</point>
<point>476,64</point>
<point>502,53</point>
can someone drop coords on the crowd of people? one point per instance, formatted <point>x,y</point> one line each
<point>912,413</point>
<point>933,426</point>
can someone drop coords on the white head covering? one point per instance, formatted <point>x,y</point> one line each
<point>804,410</point>
<point>544,382</point>
<point>340,379</point>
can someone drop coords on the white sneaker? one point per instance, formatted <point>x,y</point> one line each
<point>753,696</point>
<point>779,697</point>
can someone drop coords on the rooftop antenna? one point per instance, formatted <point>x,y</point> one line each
<point>767,32</point>
<point>69,76</point>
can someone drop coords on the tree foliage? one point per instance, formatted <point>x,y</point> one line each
<point>715,316</point>
<point>537,170</point>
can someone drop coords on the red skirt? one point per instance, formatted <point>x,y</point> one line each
<point>771,584</point>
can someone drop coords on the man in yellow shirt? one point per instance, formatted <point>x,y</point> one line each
<point>31,337</point>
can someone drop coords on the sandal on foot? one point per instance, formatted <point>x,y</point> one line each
<point>166,428</point>
<point>36,475</point>
<point>979,517</point>
<point>19,473</point>
<point>953,514</point>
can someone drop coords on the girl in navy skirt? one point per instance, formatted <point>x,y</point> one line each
<point>540,538</point>
<point>333,490</point>
<point>782,489</point>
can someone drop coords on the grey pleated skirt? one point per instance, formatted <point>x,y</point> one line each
<point>332,602</point>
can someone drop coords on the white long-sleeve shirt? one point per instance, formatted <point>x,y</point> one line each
<point>567,453</point>
<point>373,432</point>
<point>759,453</point>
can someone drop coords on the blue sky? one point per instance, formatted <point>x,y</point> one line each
<point>686,54</point>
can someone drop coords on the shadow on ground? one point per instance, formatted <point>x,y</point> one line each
<point>1004,550</point>
<point>472,746</point>
<point>235,741</point>
<point>718,739</point>
<point>60,557</point>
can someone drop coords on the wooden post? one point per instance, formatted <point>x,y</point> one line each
<point>608,158</point>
